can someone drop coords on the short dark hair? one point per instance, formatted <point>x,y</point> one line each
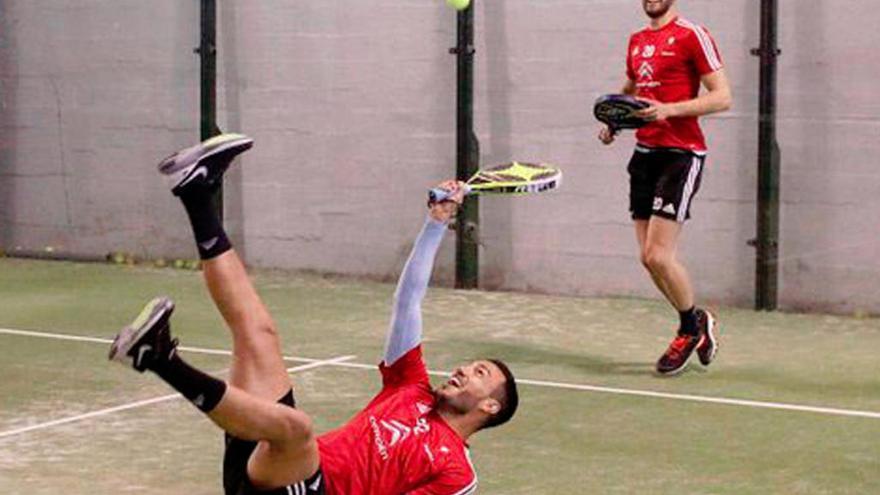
<point>509,401</point>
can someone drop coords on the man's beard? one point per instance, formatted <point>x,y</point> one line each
<point>443,403</point>
<point>656,14</point>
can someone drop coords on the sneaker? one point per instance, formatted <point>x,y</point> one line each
<point>676,357</point>
<point>203,164</point>
<point>708,345</point>
<point>147,339</point>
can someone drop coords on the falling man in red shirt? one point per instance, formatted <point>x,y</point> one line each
<point>666,64</point>
<point>409,439</point>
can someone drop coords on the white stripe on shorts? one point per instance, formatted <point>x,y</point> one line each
<point>693,174</point>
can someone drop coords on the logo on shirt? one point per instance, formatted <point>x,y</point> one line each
<point>388,433</point>
<point>648,51</point>
<point>635,50</point>
<point>381,447</point>
<point>423,408</point>
<point>671,40</point>
<point>398,430</point>
<point>646,71</point>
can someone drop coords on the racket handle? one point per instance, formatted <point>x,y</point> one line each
<point>437,194</point>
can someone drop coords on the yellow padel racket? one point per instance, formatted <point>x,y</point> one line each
<point>510,178</point>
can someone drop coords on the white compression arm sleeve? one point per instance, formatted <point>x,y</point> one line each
<point>406,318</point>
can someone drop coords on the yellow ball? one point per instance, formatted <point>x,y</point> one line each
<point>458,4</point>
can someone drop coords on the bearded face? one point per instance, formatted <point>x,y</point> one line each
<point>657,8</point>
<point>471,387</point>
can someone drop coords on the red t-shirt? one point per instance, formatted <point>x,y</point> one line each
<point>398,444</point>
<point>666,65</point>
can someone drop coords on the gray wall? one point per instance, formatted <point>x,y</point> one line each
<point>352,107</point>
<point>91,94</point>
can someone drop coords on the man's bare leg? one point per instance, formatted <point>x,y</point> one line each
<point>257,364</point>
<point>659,241</point>
<point>661,244</point>
<point>285,434</point>
<point>641,227</point>
<point>246,407</point>
<point>288,448</point>
<point>288,451</point>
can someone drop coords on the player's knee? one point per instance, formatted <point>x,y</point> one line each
<point>260,337</point>
<point>643,257</point>
<point>656,259</point>
<point>299,426</point>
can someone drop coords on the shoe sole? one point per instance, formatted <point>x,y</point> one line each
<point>134,332</point>
<point>169,167</point>
<point>710,334</point>
<point>677,371</point>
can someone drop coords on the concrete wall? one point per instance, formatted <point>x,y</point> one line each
<point>352,107</point>
<point>92,93</point>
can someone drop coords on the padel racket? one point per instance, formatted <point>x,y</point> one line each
<point>618,111</point>
<point>510,178</point>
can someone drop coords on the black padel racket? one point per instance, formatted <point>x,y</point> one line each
<point>618,111</point>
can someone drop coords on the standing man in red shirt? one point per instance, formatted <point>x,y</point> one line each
<point>666,64</point>
<point>409,439</point>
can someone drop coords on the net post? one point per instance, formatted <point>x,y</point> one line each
<point>207,52</point>
<point>766,242</point>
<point>467,153</point>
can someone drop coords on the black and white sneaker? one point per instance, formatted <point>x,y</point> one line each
<point>708,346</point>
<point>203,164</point>
<point>147,339</point>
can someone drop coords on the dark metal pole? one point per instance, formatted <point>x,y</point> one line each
<point>767,241</point>
<point>467,154</point>
<point>207,51</point>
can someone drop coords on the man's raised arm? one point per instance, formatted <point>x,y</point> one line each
<point>406,318</point>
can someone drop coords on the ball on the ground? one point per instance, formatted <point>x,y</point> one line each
<point>458,4</point>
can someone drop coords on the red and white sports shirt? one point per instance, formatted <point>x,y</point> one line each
<point>398,444</point>
<point>666,65</point>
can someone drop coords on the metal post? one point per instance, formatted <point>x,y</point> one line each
<point>467,154</point>
<point>767,241</point>
<point>207,51</point>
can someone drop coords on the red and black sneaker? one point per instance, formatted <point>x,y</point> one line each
<point>676,357</point>
<point>708,346</point>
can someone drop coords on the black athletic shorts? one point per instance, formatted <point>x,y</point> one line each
<point>663,182</point>
<point>235,460</point>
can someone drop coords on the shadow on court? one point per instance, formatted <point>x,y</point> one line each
<point>577,361</point>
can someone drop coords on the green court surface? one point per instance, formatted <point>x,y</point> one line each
<point>796,397</point>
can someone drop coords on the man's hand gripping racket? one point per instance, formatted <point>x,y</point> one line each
<point>618,112</point>
<point>445,210</point>
<point>511,178</point>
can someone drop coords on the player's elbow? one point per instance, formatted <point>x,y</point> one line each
<point>725,100</point>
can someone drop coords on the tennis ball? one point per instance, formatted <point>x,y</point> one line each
<point>458,4</point>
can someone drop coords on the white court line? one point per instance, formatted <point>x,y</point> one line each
<point>147,402</point>
<point>98,340</point>
<point>538,383</point>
